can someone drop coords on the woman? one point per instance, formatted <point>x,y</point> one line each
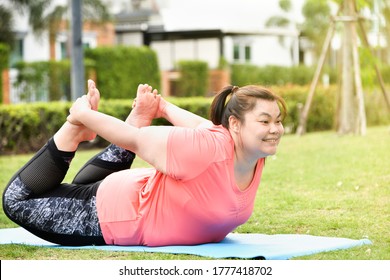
<point>202,185</point>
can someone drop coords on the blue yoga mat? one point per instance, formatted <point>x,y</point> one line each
<point>247,246</point>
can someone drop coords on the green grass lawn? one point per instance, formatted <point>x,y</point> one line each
<point>319,184</point>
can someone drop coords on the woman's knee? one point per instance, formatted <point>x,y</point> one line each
<point>15,192</point>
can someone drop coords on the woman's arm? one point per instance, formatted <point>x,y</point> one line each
<point>180,117</point>
<point>149,143</point>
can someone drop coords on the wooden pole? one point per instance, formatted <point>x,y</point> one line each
<point>305,112</point>
<point>377,71</point>
<point>350,120</point>
<point>361,122</point>
<point>347,109</point>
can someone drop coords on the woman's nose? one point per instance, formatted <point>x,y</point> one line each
<point>273,128</point>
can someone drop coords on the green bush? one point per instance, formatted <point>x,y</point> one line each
<point>119,70</point>
<point>193,79</point>
<point>4,59</point>
<point>244,74</point>
<point>377,111</point>
<point>32,80</point>
<point>322,110</point>
<point>26,127</point>
<point>45,80</point>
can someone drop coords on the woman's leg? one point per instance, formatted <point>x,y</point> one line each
<point>36,199</point>
<point>48,167</point>
<point>60,213</point>
<point>66,215</point>
<point>110,160</point>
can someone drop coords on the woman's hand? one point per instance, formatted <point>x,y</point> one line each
<point>89,101</point>
<point>161,109</point>
<point>81,104</point>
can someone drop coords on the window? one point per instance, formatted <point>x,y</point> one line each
<point>64,51</point>
<point>247,53</point>
<point>236,52</point>
<point>64,48</point>
<point>242,52</point>
<point>17,52</point>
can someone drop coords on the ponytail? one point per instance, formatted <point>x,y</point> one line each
<point>218,105</point>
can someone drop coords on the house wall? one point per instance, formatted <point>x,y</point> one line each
<point>134,39</point>
<point>268,50</point>
<point>170,52</point>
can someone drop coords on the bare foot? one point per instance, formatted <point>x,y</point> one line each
<point>144,107</point>
<point>72,133</point>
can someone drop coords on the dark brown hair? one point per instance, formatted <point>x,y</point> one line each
<point>236,101</point>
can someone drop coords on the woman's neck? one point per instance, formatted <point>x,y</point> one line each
<point>244,164</point>
<point>244,169</point>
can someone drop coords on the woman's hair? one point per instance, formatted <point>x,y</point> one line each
<point>236,101</point>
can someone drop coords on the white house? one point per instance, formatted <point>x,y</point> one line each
<point>209,29</point>
<point>241,23</point>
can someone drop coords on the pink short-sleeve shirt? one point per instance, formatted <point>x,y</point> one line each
<point>196,202</point>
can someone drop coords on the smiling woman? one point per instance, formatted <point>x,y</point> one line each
<point>253,115</point>
<point>205,175</point>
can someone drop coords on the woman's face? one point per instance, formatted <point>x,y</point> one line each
<point>262,129</point>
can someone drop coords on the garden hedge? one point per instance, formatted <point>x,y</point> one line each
<point>117,71</point>
<point>276,75</point>
<point>26,127</point>
<point>120,69</point>
<point>193,79</point>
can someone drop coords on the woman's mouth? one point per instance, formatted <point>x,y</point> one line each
<point>271,140</point>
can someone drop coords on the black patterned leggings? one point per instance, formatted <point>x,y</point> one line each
<point>61,213</point>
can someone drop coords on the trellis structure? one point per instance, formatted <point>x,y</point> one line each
<point>351,114</point>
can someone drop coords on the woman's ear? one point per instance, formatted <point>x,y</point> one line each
<point>234,124</point>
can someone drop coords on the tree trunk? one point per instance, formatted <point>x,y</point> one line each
<point>351,115</point>
<point>361,122</point>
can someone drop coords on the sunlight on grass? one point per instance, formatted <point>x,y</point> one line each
<point>318,184</point>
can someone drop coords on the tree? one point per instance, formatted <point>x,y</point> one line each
<point>316,20</point>
<point>351,111</point>
<point>351,114</point>
<point>45,15</point>
<point>283,21</point>
<point>381,12</point>
<point>317,16</point>
<point>6,34</point>
<point>386,16</point>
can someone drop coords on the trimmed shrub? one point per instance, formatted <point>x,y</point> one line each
<point>193,79</point>
<point>322,110</point>
<point>244,74</point>
<point>26,127</point>
<point>119,70</point>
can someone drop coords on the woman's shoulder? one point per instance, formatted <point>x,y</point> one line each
<point>217,129</point>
